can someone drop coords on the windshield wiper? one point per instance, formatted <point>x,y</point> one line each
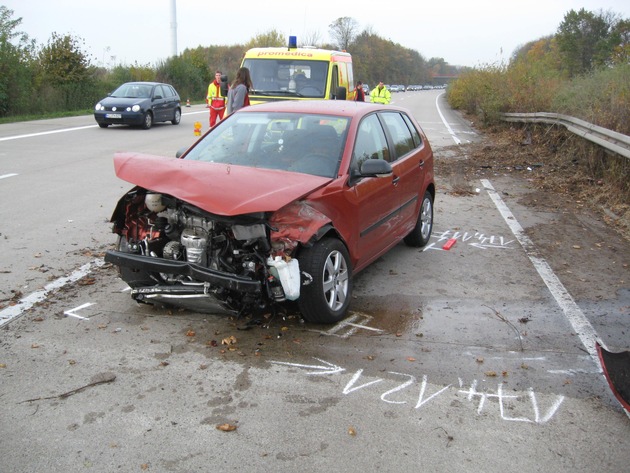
<point>269,93</point>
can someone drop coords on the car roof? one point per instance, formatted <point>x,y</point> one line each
<point>146,83</point>
<point>347,108</point>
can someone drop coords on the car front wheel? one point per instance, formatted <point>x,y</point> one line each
<point>326,299</point>
<point>147,121</point>
<point>421,233</point>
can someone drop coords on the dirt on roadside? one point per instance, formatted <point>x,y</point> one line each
<point>553,161</point>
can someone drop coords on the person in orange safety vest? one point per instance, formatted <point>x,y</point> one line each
<point>216,101</point>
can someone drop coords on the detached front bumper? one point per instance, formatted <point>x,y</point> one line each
<point>216,279</point>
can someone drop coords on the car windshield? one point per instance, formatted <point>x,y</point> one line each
<point>132,91</point>
<point>296,142</point>
<point>288,77</point>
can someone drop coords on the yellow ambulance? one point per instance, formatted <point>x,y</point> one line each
<point>294,73</point>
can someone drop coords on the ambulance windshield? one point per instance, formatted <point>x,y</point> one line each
<point>288,77</point>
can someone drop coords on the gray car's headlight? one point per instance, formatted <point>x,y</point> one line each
<point>135,108</point>
<point>99,107</point>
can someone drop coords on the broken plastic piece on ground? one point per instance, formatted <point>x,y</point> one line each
<point>616,368</point>
<point>449,244</point>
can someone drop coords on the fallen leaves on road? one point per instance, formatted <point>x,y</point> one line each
<point>86,281</point>
<point>231,340</point>
<point>226,427</point>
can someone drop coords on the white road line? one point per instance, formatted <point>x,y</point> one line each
<point>448,127</point>
<point>64,130</point>
<point>41,133</point>
<point>17,310</point>
<point>572,311</point>
<point>4,176</point>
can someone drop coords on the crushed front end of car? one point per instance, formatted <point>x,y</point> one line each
<point>174,253</point>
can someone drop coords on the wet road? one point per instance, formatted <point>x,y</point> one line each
<point>477,358</point>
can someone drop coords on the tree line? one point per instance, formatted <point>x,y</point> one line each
<point>60,76</point>
<point>582,70</point>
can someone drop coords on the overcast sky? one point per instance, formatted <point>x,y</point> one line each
<point>463,32</point>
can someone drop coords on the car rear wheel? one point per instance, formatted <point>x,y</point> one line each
<point>326,299</point>
<point>177,117</point>
<point>147,121</point>
<point>421,233</point>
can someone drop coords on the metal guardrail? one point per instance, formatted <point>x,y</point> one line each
<point>611,140</point>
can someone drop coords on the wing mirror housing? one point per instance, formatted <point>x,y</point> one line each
<point>376,168</point>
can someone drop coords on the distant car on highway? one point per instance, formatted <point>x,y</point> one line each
<point>141,104</point>
<point>281,201</point>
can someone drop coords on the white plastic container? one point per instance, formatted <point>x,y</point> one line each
<point>289,275</point>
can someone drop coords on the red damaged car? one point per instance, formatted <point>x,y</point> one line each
<point>279,202</point>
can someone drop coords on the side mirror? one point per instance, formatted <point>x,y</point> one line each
<point>181,151</point>
<point>342,93</point>
<point>376,168</point>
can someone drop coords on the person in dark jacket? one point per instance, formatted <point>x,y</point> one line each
<point>359,92</point>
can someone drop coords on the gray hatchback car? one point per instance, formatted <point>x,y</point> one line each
<point>141,104</point>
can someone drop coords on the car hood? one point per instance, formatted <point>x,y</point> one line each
<point>218,188</point>
<point>124,101</point>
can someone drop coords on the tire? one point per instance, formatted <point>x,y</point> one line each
<point>103,125</point>
<point>147,121</point>
<point>326,299</point>
<point>177,117</point>
<point>421,233</point>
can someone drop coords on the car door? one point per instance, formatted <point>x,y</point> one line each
<point>374,200</point>
<point>408,167</point>
<point>159,106</point>
<point>171,101</point>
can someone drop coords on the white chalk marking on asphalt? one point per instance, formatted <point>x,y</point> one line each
<point>350,324</point>
<point>4,176</point>
<point>572,311</point>
<point>327,368</point>
<point>448,127</point>
<point>17,310</point>
<point>72,312</point>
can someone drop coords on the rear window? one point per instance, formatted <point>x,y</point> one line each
<point>399,132</point>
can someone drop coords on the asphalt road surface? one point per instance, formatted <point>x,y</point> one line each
<point>477,358</point>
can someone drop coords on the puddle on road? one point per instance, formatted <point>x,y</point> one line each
<point>396,314</point>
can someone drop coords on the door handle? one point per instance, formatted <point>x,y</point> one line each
<point>395,180</point>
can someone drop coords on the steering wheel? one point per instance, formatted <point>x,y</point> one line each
<point>316,164</point>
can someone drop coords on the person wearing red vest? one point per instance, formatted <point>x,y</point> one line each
<point>215,101</point>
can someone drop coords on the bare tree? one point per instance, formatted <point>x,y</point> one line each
<point>343,31</point>
<point>311,38</point>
